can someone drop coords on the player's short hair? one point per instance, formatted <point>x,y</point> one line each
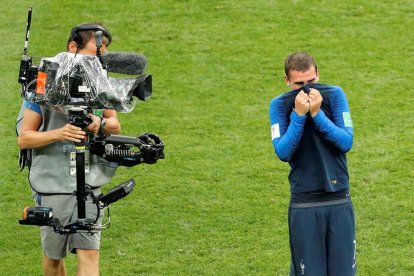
<point>299,61</point>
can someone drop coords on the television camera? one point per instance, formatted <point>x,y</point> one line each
<point>79,85</point>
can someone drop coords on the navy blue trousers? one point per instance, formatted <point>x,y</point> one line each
<point>322,239</point>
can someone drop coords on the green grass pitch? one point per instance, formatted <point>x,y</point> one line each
<point>217,205</point>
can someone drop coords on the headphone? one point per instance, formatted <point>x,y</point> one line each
<point>74,33</point>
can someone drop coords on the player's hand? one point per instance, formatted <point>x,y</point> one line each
<point>301,103</point>
<point>315,101</point>
<point>71,133</point>
<point>95,125</point>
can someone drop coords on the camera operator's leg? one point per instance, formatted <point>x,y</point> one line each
<point>54,267</point>
<point>55,246</point>
<point>88,262</point>
<point>86,245</point>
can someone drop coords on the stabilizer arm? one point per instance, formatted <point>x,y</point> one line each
<point>128,151</point>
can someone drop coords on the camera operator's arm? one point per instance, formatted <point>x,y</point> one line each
<point>31,137</point>
<point>108,124</point>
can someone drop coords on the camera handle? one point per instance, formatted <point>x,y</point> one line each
<point>78,117</point>
<point>81,194</point>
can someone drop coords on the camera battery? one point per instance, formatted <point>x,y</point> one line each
<point>37,216</point>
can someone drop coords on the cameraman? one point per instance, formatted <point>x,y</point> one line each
<point>50,139</point>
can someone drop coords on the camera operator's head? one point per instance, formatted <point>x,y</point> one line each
<point>82,39</point>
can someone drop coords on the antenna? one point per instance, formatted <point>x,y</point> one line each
<point>26,42</point>
<point>26,62</point>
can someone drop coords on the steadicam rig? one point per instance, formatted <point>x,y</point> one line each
<point>79,85</point>
<point>125,151</point>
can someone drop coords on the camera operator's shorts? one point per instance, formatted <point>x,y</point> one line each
<point>56,246</point>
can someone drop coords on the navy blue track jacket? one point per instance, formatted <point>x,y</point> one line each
<point>314,147</point>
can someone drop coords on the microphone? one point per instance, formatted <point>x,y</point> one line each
<point>124,63</point>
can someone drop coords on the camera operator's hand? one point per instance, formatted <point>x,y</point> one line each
<point>315,101</point>
<point>95,125</point>
<point>301,103</point>
<point>70,133</point>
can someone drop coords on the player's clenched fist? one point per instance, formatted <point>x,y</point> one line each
<point>302,103</point>
<point>315,101</point>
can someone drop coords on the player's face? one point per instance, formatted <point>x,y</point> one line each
<point>297,79</point>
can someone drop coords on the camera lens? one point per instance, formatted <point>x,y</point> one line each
<point>142,88</point>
